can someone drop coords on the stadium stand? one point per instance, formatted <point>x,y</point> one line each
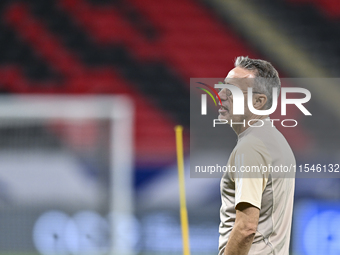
<point>78,47</point>
<point>146,49</point>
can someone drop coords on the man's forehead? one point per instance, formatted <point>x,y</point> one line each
<point>238,73</point>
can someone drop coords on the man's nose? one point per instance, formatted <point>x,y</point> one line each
<point>223,96</point>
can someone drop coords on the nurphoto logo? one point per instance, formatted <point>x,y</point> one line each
<point>238,101</point>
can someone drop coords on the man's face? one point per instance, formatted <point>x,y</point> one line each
<point>238,77</point>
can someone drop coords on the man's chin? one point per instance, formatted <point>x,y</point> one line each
<point>223,117</point>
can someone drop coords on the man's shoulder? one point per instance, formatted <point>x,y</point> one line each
<point>264,137</point>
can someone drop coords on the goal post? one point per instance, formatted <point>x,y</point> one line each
<point>121,174</point>
<point>118,111</point>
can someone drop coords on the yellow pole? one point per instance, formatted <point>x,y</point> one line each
<point>183,207</point>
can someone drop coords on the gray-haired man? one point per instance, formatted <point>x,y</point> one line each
<point>256,211</point>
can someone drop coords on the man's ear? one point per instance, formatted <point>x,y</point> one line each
<point>259,101</point>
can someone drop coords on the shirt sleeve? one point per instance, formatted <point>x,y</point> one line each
<point>250,181</point>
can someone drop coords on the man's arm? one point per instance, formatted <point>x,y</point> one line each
<point>243,232</point>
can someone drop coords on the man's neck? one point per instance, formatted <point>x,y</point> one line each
<point>241,128</point>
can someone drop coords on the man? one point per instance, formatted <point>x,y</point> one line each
<point>256,211</point>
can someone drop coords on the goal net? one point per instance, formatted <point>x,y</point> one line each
<point>66,175</point>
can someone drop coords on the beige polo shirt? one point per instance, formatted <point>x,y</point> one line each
<point>261,158</point>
